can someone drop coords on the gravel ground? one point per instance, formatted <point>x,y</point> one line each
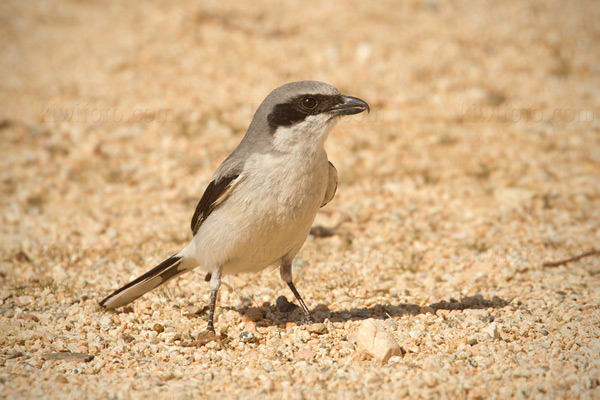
<point>479,162</point>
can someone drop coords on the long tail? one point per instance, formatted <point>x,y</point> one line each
<point>166,270</point>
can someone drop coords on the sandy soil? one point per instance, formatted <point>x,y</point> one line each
<point>479,162</point>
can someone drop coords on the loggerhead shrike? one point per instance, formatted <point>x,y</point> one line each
<point>261,202</point>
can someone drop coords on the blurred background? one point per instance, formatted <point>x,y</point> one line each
<point>480,158</point>
<point>109,109</point>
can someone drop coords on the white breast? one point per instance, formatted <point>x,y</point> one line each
<point>268,215</point>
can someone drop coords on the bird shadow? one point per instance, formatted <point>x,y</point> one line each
<point>283,312</point>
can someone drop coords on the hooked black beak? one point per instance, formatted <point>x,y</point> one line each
<point>351,105</point>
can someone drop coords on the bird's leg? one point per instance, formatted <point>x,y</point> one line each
<point>215,282</point>
<point>286,274</point>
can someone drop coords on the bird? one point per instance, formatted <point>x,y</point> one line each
<point>261,202</point>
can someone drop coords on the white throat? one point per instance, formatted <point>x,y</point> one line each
<point>305,137</point>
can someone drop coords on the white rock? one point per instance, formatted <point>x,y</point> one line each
<point>373,339</point>
<point>106,323</point>
<point>170,337</point>
<point>492,330</point>
<point>247,337</point>
<point>317,328</point>
<point>415,333</point>
<point>395,359</point>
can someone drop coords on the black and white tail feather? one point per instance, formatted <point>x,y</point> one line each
<point>177,264</point>
<point>163,272</point>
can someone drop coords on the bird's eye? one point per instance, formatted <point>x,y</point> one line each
<point>309,102</point>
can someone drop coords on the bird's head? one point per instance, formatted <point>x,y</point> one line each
<point>299,115</point>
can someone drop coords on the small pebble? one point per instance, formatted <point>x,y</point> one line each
<point>247,337</point>
<point>492,330</point>
<point>415,333</point>
<point>392,323</point>
<point>318,328</point>
<point>268,367</point>
<point>304,354</point>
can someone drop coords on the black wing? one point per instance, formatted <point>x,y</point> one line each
<point>214,194</point>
